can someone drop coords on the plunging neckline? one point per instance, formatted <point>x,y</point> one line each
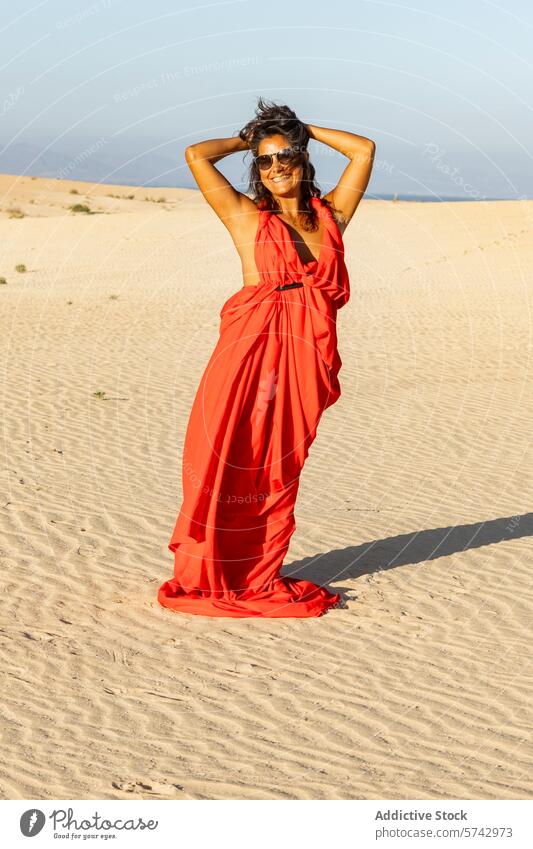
<point>313,261</point>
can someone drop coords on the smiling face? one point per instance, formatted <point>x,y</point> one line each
<point>282,180</point>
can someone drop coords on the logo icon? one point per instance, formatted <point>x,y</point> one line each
<point>32,822</point>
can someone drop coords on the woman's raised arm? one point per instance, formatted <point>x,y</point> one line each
<point>226,201</point>
<point>353,182</point>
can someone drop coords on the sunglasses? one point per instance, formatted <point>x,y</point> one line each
<point>287,156</point>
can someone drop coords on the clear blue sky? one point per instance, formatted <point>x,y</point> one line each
<point>114,90</point>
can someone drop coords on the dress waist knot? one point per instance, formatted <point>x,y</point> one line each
<point>294,285</point>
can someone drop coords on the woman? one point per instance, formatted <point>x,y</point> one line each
<point>272,374</point>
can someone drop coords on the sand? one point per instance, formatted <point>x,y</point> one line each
<point>414,503</point>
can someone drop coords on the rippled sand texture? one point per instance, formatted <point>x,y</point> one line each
<point>415,503</point>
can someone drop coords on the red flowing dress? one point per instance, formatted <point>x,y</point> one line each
<point>272,374</point>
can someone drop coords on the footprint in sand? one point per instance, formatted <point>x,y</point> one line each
<point>45,636</point>
<point>243,667</point>
<point>156,787</point>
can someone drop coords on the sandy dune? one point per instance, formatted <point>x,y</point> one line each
<point>415,503</point>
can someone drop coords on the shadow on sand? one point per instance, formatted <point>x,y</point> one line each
<point>405,549</point>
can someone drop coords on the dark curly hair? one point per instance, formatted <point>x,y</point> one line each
<point>276,119</point>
